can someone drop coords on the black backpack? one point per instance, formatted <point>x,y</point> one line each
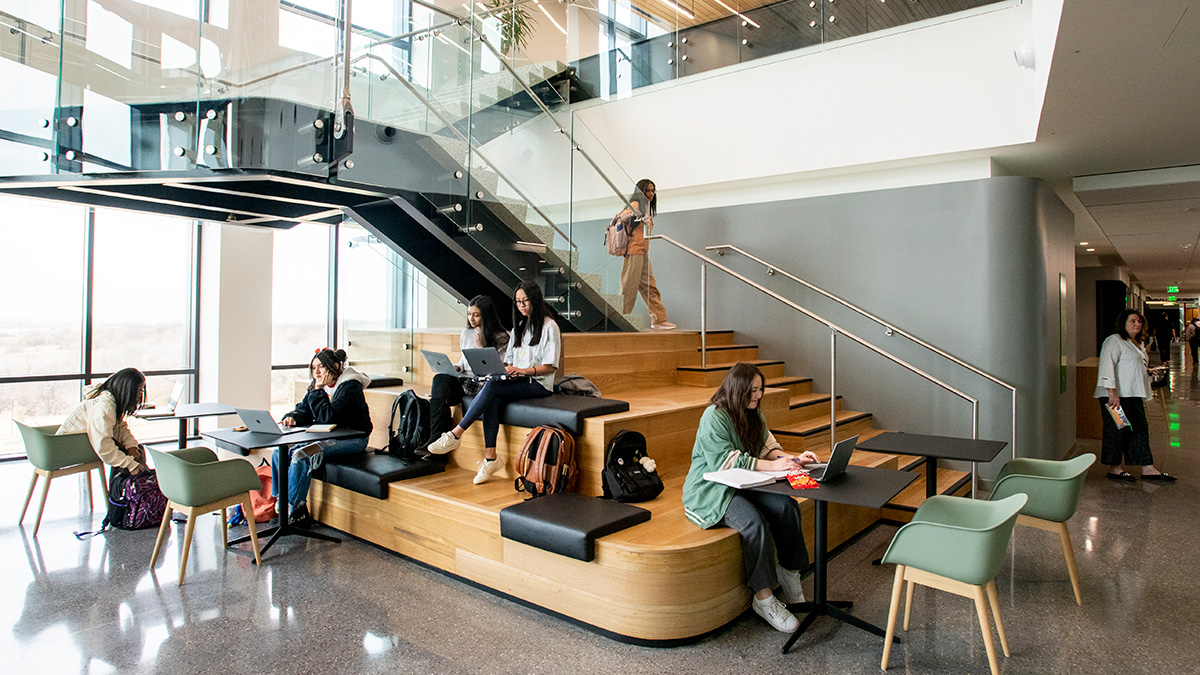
<point>625,479</point>
<point>408,428</point>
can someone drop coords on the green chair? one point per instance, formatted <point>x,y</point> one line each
<point>53,456</point>
<point>1053,489</point>
<point>195,482</point>
<point>956,545</point>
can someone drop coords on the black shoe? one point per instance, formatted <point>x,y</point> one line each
<point>300,517</point>
<point>1160,477</point>
<point>1123,477</point>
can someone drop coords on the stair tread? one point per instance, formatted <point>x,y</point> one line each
<point>727,366</point>
<point>949,481</point>
<point>801,400</point>
<point>725,348</point>
<point>780,382</point>
<point>809,427</point>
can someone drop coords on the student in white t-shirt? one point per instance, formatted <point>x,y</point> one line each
<point>532,359</point>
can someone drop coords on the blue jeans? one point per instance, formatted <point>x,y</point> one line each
<point>486,404</point>
<point>300,470</point>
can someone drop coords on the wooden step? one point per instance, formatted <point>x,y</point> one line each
<point>949,482</point>
<point>717,337</point>
<point>726,354</point>
<point>713,375</point>
<point>814,433</point>
<point>794,385</point>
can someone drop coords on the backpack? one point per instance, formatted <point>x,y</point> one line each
<point>134,502</point>
<point>619,232</point>
<point>546,463</point>
<point>625,479</point>
<point>408,428</point>
<point>262,501</point>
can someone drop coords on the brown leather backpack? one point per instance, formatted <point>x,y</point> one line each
<point>546,463</point>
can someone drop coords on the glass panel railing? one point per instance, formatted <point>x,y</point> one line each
<point>29,64</point>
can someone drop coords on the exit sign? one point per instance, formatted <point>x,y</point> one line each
<point>1172,289</point>
<point>1171,298</point>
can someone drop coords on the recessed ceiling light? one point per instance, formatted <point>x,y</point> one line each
<point>1091,249</point>
<point>1083,243</point>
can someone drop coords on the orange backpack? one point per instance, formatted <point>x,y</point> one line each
<point>546,464</point>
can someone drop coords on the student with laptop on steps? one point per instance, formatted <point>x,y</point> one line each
<point>733,433</point>
<point>483,330</point>
<point>335,396</point>
<point>532,358</point>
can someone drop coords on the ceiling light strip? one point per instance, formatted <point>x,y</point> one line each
<point>677,8</point>
<point>745,18</point>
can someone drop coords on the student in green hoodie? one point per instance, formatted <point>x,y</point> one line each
<point>733,434</point>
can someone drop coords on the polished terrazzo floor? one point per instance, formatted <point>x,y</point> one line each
<point>92,606</point>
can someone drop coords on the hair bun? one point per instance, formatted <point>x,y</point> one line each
<point>340,355</point>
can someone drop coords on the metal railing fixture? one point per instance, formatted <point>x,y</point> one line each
<point>834,331</point>
<point>890,329</point>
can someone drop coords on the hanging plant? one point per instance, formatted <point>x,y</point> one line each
<point>516,24</point>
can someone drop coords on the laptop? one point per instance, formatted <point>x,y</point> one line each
<point>485,362</point>
<point>440,363</point>
<point>260,421</point>
<point>167,410</point>
<point>838,461</point>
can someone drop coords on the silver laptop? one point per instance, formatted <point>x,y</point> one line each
<point>486,362</point>
<point>440,363</point>
<point>172,402</point>
<point>260,421</point>
<point>838,461</point>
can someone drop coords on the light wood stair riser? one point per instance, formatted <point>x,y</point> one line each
<point>718,354</point>
<point>714,375</point>
<point>950,482</point>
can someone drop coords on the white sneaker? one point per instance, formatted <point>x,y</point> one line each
<point>776,614</point>
<point>486,469</point>
<point>665,325</point>
<point>790,590</point>
<point>445,443</point>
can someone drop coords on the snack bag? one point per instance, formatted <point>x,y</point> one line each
<point>800,480</point>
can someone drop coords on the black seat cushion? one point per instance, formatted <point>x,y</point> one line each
<point>369,474</point>
<point>563,409</point>
<point>567,523</point>
<point>385,381</point>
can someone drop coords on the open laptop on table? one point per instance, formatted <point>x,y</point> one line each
<point>440,363</point>
<point>261,421</point>
<point>167,410</point>
<point>838,461</point>
<point>486,362</point>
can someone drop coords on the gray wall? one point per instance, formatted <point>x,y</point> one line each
<point>971,267</point>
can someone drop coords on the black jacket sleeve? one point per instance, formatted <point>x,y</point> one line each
<point>347,408</point>
<point>303,414</point>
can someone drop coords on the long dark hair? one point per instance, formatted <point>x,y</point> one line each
<point>333,360</point>
<point>126,387</point>
<point>639,196</point>
<point>538,312</point>
<point>734,396</point>
<point>489,320</point>
<point>1120,328</point>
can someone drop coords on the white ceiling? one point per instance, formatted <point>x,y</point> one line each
<point>1124,98</point>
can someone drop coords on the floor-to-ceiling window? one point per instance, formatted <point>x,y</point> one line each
<point>88,292</point>
<point>300,306</point>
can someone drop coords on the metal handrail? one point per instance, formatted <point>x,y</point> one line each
<point>773,269</point>
<point>450,125</point>
<point>834,329</point>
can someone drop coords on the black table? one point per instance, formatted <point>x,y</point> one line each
<point>253,440</point>
<point>859,486</point>
<point>933,448</point>
<point>184,412</point>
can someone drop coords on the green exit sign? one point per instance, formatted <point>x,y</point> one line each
<point>1171,298</point>
<point>1172,289</point>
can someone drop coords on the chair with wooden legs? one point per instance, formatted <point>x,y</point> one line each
<point>1053,489</point>
<point>53,456</point>
<point>195,483</point>
<point>956,545</point>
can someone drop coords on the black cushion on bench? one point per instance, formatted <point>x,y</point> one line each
<point>385,381</point>
<point>564,409</point>
<point>369,474</point>
<point>566,523</point>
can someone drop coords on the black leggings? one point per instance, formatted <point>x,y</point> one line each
<point>1130,445</point>
<point>447,390</point>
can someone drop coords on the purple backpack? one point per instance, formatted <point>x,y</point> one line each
<point>134,502</point>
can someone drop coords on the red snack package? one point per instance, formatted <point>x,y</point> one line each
<point>800,480</point>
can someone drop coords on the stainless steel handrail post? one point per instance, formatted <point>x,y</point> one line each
<point>703,315</point>
<point>832,389</point>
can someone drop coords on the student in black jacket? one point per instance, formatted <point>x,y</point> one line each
<point>335,396</point>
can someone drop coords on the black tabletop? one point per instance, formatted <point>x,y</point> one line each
<point>859,486</point>
<point>251,440</point>
<point>186,410</point>
<point>942,447</point>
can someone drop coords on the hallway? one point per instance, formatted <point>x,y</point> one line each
<point>92,606</point>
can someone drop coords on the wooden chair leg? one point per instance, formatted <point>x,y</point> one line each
<point>986,627</point>
<point>994,600</point>
<point>28,496</point>
<point>893,609</point>
<point>42,505</point>
<point>162,534</point>
<point>248,511</point>
<point>103,484</point>
<point>187,544</point>
<point>224,529</point>
<point>908,604</point>
<point>1069,554</point>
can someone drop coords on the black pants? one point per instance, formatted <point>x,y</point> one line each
<point>1130,445</point>
<point>770,527</point>
<point>1194,344</point>
<point>447,390</point>
<point>1164,349</point>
